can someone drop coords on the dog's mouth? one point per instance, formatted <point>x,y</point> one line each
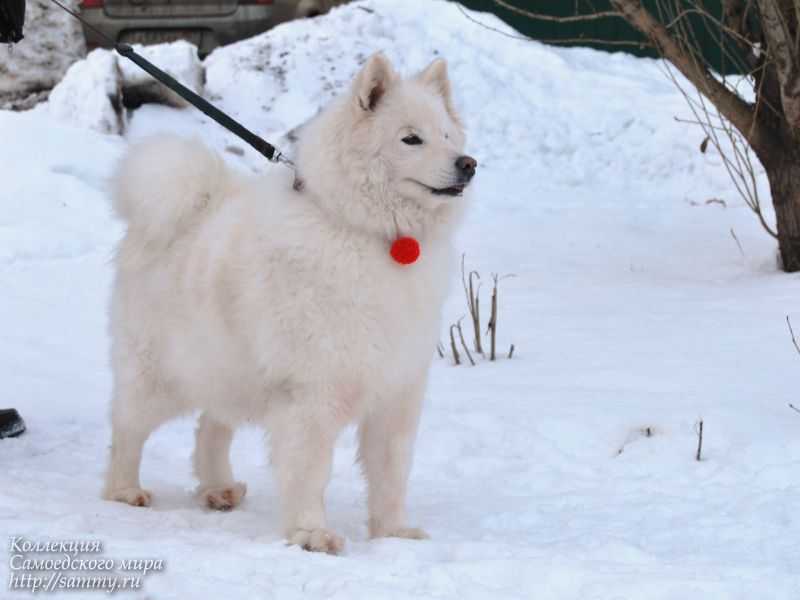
<point>453,190</point>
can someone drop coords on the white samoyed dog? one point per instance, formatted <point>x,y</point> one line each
<point>262,301</point>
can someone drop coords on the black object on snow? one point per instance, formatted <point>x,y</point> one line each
<point>11,424</point>
<point>12,18</point>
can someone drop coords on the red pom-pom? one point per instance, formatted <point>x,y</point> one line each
<point>405,250</point>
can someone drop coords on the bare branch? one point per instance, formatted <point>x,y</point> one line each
<point>736,160</point>
<point>473,303</point>
<point>463,343</point>
<point>721,26</point>
<point>682,15</point>
<point>490,28</point>
<point>559,41</point>
<point>703,124</point>
<point>570,19</point>
<point>456,357</point>
<point>588,40</point>
<point>493,320</point>
<point>738,243</point>
<point>791,332</point>
<point>736,110</point>
<point>699,429</point>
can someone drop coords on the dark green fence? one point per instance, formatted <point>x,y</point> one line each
<point>613,33</point>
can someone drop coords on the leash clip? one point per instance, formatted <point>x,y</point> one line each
<point>278,157</point>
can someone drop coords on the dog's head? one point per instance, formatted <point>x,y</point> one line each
<point>392,150</point>
<point>412,127</point>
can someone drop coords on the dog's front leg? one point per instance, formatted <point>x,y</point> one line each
<point>302,437</point>
<point>387,438</point>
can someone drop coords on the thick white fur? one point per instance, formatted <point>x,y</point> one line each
<point>253,302</point>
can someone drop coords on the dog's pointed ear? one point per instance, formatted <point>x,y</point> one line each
<point>435,76</point>
<point>372,82</point>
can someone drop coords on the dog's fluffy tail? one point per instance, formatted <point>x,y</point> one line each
<point>165,184</point>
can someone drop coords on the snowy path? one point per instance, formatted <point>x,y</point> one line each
<point>631,308</point>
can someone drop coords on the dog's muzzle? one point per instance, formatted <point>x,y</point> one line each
<point>465,171</point>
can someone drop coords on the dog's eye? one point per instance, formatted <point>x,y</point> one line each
<point>412,140</point>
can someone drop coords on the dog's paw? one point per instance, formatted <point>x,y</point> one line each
<point>132,496</point>
<point>408,533</point>
<point>224,498</point>
<point>317,540</point>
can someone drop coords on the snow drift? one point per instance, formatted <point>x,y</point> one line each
<point>94,90</point>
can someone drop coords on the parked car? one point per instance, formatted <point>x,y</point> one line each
<point>205,23</point>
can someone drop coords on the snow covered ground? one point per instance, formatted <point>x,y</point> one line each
<point>632,307</point>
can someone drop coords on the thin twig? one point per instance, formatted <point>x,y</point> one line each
<point>738,163</point>
<point>738,243</point>
<point>493,320</point>
<point>794,408</point>
<point>589,40</point>
<point>490,28</point>
<point>476,318</point>
<point>791,332</point>
<point>570,19</point>
<point>696,122</point>
<point>456,357</point>
<point>463,343</point>
<point>699,431</point>
<point>473,303</point>
<point>573,40</point>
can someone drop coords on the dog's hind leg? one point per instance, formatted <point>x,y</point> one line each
<point>132,422</point>
<point>386,447</point>
<point>212,465</point>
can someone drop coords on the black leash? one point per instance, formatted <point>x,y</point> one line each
<point>261,145</point>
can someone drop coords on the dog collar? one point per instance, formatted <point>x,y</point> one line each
<point>404,250</point>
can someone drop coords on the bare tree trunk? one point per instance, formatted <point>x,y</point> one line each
<point>784,182</point>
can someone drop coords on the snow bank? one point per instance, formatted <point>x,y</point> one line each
<point>53,194</point>
<point>94,89</point>
<point>89,94</point>
<point>526,104</point>
<point>53,41</point>
<point>529,107</point>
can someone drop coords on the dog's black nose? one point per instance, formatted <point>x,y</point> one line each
<point>466,166</point>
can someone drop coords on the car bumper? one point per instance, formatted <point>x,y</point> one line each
<point>207,32</point>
